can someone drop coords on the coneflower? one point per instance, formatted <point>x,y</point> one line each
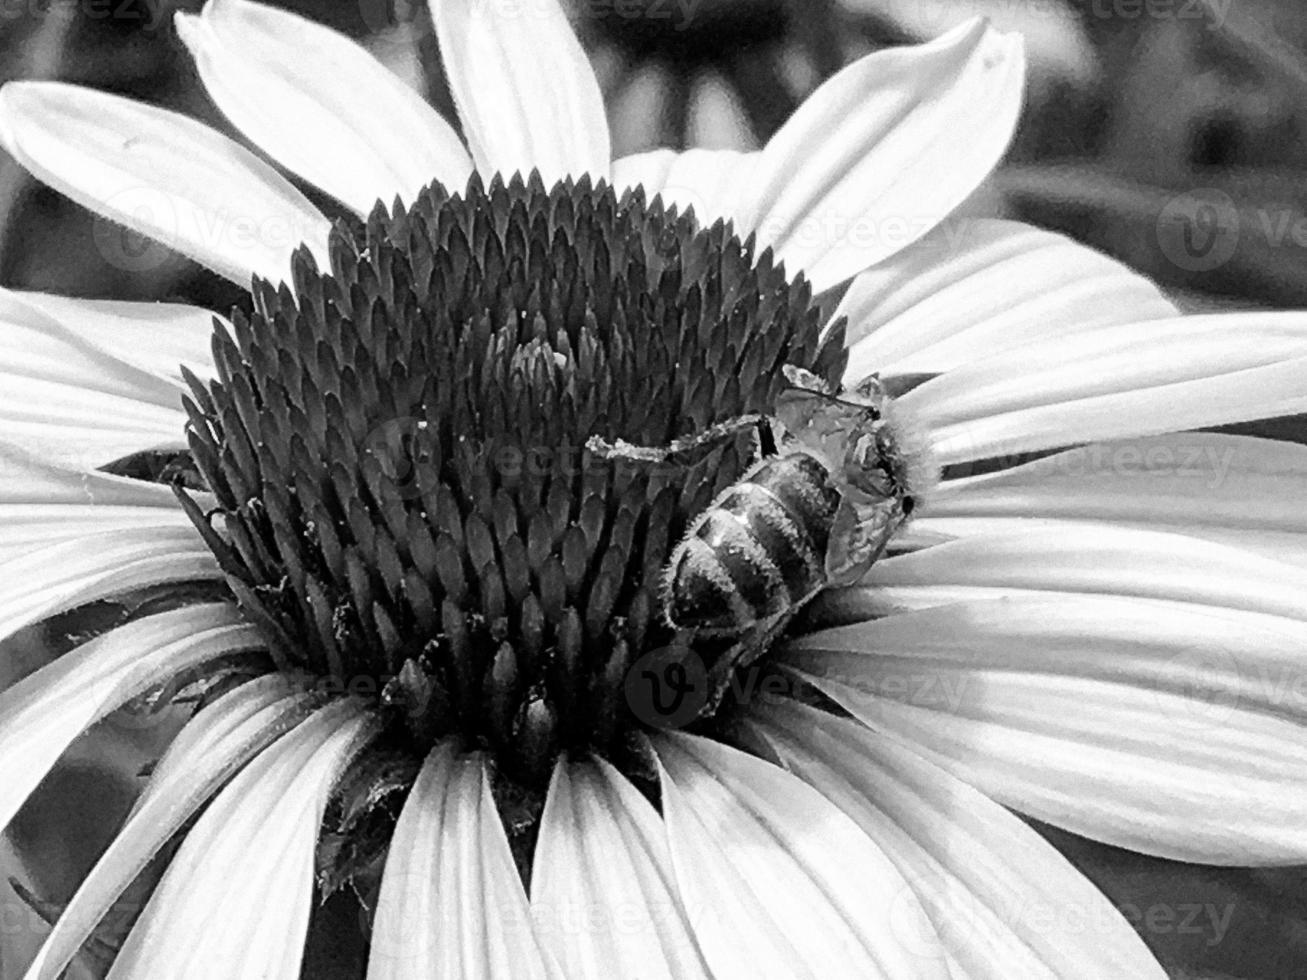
<point>419,616</point>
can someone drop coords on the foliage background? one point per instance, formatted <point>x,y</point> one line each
<point>1146,120</point>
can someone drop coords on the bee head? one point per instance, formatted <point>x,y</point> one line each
<point>908,458</point>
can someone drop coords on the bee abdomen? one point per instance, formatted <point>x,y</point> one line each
<point>703,595</point>
<point>751,557</point>
<point>802,486</point>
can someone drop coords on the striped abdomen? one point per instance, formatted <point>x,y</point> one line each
<point>758,551</point>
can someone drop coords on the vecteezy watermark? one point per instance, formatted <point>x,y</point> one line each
<point>1173,459</point>
<point>1209,689</point>
<point>1181,457</point>
<point>667,687</point>
<point>670,686</point>
<point>141,223</point>
<point>960,916</point>
<point>680,14</point>
<point>1205,919</point>
<point>1211,683</point>
<point>410,451</point>
<point>397,938</point>
<point>1211,11</point>
<point>150,14</point>
<point>1199,231</point>
<point>127,249</point>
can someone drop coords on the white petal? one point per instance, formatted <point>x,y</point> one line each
<point>452,903</point>
<point>878,155</point>
<point>717,119</point>
<point>221,738</point>
<point>44,712</point>
<point>158,338</point>
<point>163,175</point>
<point>41,503</point>
<point>1005,902</point>
<point>707,180</point>
<point>1057,43</point>
<point>973,288</point>
<point>235,901</point>
<point>603,894</point>
<point>1079,558</point>
<point>1115,383</point>
<point>43,581</point>
<point>1236,490</point>
<point>72,400</point>
<point>1162,727</point>
<point>321,105</point>
<point>776,880</point>
<point>524,89</point>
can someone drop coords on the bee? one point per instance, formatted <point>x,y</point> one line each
<point>817,510</point>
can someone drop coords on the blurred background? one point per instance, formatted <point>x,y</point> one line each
<point>1171,134</point>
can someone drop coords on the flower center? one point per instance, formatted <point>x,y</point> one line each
<point>405,503</point>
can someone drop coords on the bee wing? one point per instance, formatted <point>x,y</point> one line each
<point>821,419</point>
<point>812,416</point>
<point>859,535</point>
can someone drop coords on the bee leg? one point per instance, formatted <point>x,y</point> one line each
<point>751,645</point>
<point>766,438</point>
<point>621,449</point>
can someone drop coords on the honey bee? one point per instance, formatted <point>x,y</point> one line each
<point>817,510</point>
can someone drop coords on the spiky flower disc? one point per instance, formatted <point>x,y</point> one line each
<point>397,448</point>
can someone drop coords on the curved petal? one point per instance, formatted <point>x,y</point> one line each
<point>1078,558</point>
<point>707,180</point>
<point>1057,43</point>
<point>1115,383</point>
<point>1166,728</point>
<point>452,903</point>
<point>44,581</point>
<point>776,880</point>
<point>157,338</point>
<point>37,344</point>
<point>881,152</point>
<point>215,744</point>
<point>41,503</point>
<point>44,712</point>
<point>321,105</point>
<point>163,175</point>
<point>73,401</point>
<point>524,89</point>
<point>1236,490</point>
<point>235,901</point>
<point>602,849</point>
<point>1004,901</point>
<point>975,287</point>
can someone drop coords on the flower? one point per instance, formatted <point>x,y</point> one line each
<point>1095,620</point>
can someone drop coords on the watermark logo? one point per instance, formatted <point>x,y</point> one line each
<point>667,687</point>
<point>399,934</point>
<point>122,246</point>
<point>1208,694</point>
<point>1199,231</point>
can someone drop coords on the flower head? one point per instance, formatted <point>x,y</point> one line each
<point>419,608</point>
